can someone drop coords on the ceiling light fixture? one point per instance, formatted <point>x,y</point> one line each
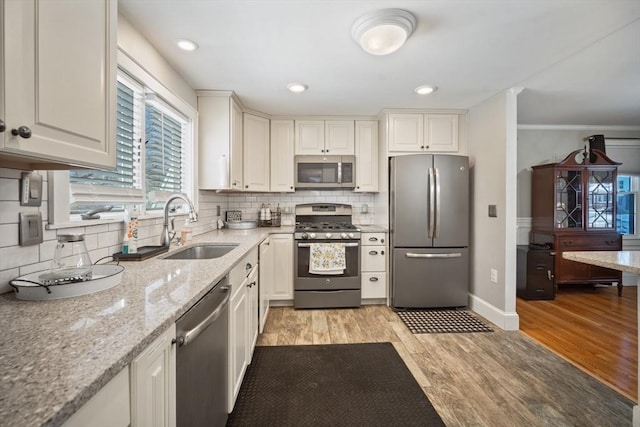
<point>384,31</point>
<point>187,45</point>
<point>425,90</point>
<point>297,87</point>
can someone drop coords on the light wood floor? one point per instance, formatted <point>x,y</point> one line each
<point>482,379</point>
<point>592,328</point>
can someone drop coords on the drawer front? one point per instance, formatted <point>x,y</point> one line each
<point>373,239</point>
<point>373,258</point>
<point>242,270</point>
<point>374,285</point>
<point>609,242</point>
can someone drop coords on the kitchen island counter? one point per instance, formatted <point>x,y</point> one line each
<point>55,355</point>
<point>618,260</point>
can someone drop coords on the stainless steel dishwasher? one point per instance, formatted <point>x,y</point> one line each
<point>201,360</point>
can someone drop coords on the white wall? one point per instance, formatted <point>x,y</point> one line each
<point>492,153</point>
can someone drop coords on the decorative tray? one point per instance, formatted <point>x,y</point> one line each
<point>30,286</point>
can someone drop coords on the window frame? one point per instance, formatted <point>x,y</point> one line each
<point>635,190</point>
<point>58,181</point>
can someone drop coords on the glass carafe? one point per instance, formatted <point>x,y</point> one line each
<point>71,261</point>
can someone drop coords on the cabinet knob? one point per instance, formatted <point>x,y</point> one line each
<point>3,127</point>
<point>326,151</point>
<point>291,187</point>
<point>381,252</point>
<point>22,132</point>
<point>381,240</point>
<point>248,266</point>
<point>246,186</point>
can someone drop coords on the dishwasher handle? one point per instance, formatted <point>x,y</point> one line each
<point>191,334</point>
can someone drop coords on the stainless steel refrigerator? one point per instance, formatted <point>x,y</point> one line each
<point>429,196</point>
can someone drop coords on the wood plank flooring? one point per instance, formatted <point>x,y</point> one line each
<point>592,328</point>
<point>481,379</point>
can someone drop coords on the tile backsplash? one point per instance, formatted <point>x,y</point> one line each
<point>104,239</point>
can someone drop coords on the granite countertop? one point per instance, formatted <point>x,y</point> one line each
<point>372,229</point>
<point>55,355</point>
<point>618,260</point>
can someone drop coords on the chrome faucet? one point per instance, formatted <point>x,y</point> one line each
<point>166,236</point>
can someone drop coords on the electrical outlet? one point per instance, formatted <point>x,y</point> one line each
<point>494,275</point>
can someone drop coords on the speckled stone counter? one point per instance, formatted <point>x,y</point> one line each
<point>618,260</point>
<point>372,229</point>
<point>55,355</point>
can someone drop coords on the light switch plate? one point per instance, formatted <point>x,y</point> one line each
<point>31,189</point>
<point>30,228</point>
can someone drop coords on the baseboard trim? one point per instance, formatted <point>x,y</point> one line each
<point>502,319</point>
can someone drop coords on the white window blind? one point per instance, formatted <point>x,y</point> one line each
<point>146,173</point>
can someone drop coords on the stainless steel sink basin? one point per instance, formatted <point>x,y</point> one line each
<point>203,251</point>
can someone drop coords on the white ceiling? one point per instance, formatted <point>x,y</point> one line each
<point>578,60</point>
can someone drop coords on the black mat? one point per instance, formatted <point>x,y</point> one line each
<point>438,321</point>
<point>331,385</point>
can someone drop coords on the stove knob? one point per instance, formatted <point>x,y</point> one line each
<point>343,235</point>
<point>312,235</point>
<point>328,235</point>
<point>351,236</point>
<point>305,236</point>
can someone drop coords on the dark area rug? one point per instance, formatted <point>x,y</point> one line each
<point>440,321</point>
<point>331,385</point>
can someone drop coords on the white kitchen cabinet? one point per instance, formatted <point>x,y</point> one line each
<point>282,286</point>
<point>267,278</point>
<point>253,284</point>
<point>57,84</point>
<point>374,265</point>
<point>239,328</point>
<point>282,156</point>
<point>366,143</point>
<point>332,137</point>
<point>219,141</point>
<point>416,132</point>
<point>256,163</point>
<point>153,383</point>
<point>109,407</point>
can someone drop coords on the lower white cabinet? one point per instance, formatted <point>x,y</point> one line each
<point>153,383</point>
<point>252,286</point>
<point>240,317</point>
<point>267,276</point>
<point>374,265</point>
<point>282,286</point>
<point>107,408</point>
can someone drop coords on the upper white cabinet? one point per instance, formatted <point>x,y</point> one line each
<point>333,137</point>
<point>282,152</point>
<point>410,132</point>
<point>219,141</point>
<point>366,155</point>
<point>256,153</point>
<point>58,80</point>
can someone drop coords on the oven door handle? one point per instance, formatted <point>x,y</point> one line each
<point>346,245</point>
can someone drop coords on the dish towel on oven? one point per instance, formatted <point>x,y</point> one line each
<point>327,258</point>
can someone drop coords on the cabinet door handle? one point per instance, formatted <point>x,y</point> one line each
<point>373,239</point>
<point>22,132</point>
<point>549,276</point>
<point>373,252</point>
<point>3,127</point>
<point>373,279</point>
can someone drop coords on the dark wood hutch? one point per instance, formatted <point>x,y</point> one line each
<point>573,206</point>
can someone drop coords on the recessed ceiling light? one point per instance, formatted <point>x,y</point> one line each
<point>187,45</point>
<point>384,31</point>
<point>425,90</point>
<point>297,87</point>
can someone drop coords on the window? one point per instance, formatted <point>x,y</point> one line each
<point>627,206</point>
<point>153,155</point>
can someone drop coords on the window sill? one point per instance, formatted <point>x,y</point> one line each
<point>112,220</point>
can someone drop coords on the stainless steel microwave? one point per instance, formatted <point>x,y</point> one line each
<point>325,172</point>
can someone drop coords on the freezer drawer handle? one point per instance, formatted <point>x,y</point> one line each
<point>451,255</point>
<point>346,245</point>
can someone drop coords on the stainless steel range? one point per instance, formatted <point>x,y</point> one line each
<point>327,257</point>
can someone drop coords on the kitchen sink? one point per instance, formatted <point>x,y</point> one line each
<point>203,251</point>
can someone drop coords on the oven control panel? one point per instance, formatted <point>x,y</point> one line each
<point>336,235</point>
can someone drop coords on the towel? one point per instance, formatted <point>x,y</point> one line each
<point>327,258</point>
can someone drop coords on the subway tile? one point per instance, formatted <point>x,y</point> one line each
<point>110,238</point>
<point>9,235</point>
<point>97,229</point>
<point>90,241</point>
<point>9,211</point>
<point>15,256</point>
<point>47,249</point>
<point>9,189</point>
<point>32,268</point>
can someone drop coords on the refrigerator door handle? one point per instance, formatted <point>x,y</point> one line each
<point>432,195</point>
<point>449,255</point>
<point>437,220</point>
